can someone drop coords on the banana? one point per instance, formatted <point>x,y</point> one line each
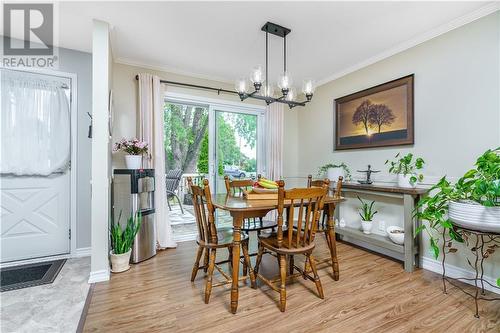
<point>268,181</point>
<point>267,185</point>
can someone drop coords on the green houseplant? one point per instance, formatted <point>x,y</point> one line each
<point>334,170</point>
<point>473,201</point>
<point>366,211</point>
<point>406,168</point>
<point>121,242</point>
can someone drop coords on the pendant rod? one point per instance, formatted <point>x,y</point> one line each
<point>284,54</point>
<point>267,62</point>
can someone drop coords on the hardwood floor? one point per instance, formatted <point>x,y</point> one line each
<point>374,294</point>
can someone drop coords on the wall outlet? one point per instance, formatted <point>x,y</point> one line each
<point>381,226</point>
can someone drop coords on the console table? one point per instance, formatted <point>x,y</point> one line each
<point>408,253</point>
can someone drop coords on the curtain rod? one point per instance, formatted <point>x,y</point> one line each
<point>195,86</point>
<point>268,100</point>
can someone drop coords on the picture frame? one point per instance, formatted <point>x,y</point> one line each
<point>379,116</point>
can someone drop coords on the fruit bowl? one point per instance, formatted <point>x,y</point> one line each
<point>261,190</point>
<point>396,234</point>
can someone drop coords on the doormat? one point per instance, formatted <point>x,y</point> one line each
<point>29,275</point>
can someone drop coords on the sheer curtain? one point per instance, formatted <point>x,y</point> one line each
<point>151,125</point>
<point>35,125</point>
<point>275,117</point>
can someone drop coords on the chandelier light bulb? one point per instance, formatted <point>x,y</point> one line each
<point>267,90</point>
<point>291,94</point>
<point>241,86</point>
<point>308,87</point>
<point>256,76</point>
<point>285,81</point>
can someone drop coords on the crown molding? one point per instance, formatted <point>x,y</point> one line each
<point>168,69</point>
<point>442,29</point>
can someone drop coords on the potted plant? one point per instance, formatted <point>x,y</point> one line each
<point>406,168</point>
<point>121,242</point>
<point>473,202</point>
<point>366,212</point>
<point>134,149</point>
<point>334,171</point>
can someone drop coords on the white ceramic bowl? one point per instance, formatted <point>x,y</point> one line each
<point>398,238</point>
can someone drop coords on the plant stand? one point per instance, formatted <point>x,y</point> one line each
<point>484,245</point>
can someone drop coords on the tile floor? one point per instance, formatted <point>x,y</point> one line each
<point>54,308</point>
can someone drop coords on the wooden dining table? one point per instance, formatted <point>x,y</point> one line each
<point>240,209</point>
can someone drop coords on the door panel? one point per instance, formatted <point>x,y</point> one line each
<point>35,216</point>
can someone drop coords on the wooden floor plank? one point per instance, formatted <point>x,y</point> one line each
<point>374,294</point>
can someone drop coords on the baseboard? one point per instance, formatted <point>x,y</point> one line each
<point>82,252</point>
<point>99,276</point>
<point>454,271</point>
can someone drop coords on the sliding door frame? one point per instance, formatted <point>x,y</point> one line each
<point>214,105</point>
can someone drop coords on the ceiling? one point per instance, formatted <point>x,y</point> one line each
<point>223,41</point>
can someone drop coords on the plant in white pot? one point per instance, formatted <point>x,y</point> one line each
<point>366,212</point>
<point>134,149</point>
<point>333,171</point>
<point>406,169</point>
<point>472,202</point>
<point>121,242</point>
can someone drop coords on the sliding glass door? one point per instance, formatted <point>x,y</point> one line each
<point>204,139</point>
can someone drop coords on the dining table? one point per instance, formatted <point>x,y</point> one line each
<point>241,208</point>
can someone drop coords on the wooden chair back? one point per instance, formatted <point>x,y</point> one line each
<point>236,187</point>
<point>320,183</point>
<point>310,203</point>
<point>204,211</point>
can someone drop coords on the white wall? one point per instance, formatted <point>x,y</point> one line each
<point>102,82</point>
<point>457,107</point>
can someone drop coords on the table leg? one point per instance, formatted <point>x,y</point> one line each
<point>332,241</point>
<point>409,241</point>
<point>237,221</point>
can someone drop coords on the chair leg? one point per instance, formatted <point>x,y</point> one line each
<point>196,263</point>
<point>317,281</point>
<point>258,260</point>
<point>248,264</point>
<point>211,266</point>
<point>291,264</point>
<point>282,263</point>
<point>230,259</point>
<point>168,203</point>
<point>205,260</point>
<point>180,204</point>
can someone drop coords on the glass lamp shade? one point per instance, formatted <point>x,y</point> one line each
<point>284,81</point>
<point>256,75</point>
<point>291,94</point>
<point>267,90</point>
<point>308,87</point>
<point>241,86</point>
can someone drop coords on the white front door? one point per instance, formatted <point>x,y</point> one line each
<point>35,210</point>
<point>35,216</point>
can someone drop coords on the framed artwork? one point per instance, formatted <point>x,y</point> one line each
<point>376,117</point>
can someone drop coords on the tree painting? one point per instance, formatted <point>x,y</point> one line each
<point>373,115</point>
<point>362,114</point>
<point>381,115</point>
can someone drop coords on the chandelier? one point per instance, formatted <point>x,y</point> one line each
<point>263,90</point>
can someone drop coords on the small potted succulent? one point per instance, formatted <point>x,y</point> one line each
<point>333,171</point>
<point>134,149</point>
<point>406,168</point>
<point>366,212</point>
<point>121,242</point>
